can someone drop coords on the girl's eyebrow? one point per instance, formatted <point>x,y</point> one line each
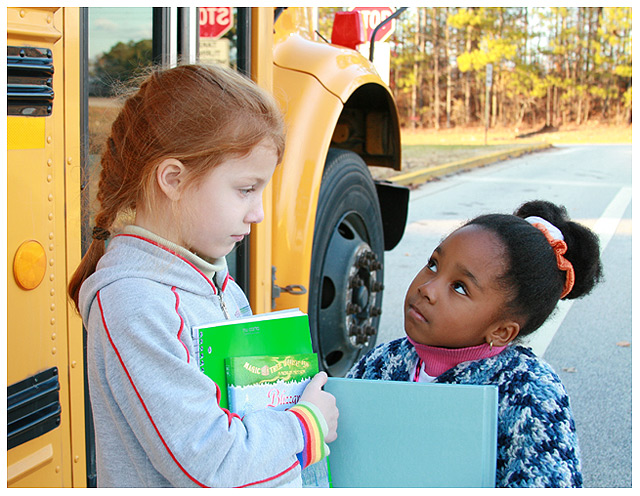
<point>469,275</point>
<point>461,268</point>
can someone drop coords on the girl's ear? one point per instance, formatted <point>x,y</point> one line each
<point>505,333</point>
<point>171,175</point>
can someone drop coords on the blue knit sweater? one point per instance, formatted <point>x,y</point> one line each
<point>537,443</point>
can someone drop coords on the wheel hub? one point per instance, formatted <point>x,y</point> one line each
<point>351,295</point>
<point>360,296</point>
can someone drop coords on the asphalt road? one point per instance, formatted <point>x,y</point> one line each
<point>588,341</point>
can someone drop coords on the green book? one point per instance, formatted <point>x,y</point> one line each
<point>276,333</point>
<point>274,381</point>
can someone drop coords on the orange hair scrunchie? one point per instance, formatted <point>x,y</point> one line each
<point>559,248</point>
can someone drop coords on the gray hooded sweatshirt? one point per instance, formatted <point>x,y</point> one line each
<point>157,418</point>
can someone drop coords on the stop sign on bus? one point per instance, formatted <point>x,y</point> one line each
<point>215,21</point>
<point>372,16</point>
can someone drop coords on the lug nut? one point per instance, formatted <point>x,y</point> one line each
<point>375,311</point>
<point>353,308</point>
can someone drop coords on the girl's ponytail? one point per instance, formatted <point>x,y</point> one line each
<point>86,267</point>
<point>95,251</point>
<point>583,246</point>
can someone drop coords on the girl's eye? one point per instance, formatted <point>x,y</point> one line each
<point>460,288</point>
<point>432,265</point>
<point>247,191</point>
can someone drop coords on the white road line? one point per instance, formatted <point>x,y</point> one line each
<point>605,228</point>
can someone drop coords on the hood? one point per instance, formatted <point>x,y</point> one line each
<point>133,256</point>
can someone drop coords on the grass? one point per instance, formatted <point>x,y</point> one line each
<point>429,148</point>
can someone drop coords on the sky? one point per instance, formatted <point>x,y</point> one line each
<point>108,25</point>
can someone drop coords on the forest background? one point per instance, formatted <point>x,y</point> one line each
<point>550,65</point>
<point>561,74</point>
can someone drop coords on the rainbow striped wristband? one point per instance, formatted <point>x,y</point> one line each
<point>314,430</point>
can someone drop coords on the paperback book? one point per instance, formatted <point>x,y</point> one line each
<point>274,381</point>
<point>258,382</point>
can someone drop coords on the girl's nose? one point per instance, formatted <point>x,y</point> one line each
<point>256,214</point>
<point>428,290</point>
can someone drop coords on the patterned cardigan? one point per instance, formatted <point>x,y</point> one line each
<point>537,443</point>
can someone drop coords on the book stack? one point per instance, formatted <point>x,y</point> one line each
<point>390,434</point>
<point>262,361</point>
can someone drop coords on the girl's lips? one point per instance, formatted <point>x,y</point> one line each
<point>238,237</point>
<point>416,315</point>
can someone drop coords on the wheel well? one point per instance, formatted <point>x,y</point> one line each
<point>368,126</point>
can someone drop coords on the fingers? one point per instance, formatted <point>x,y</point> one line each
<point>319,380</point>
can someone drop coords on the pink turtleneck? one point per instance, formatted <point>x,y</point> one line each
<point>438,360</point>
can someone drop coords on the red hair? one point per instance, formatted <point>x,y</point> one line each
<point>200,115</point>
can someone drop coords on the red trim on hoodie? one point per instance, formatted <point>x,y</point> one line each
<point>124,367</point>
<point>179,336</point>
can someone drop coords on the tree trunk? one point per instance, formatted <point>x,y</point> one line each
<point>436,70</point>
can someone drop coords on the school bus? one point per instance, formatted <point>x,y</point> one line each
<point>320,248</point>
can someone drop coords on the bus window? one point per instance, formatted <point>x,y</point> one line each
<point>121,44</point>
<point>217,38</point>
<point>119,47</point>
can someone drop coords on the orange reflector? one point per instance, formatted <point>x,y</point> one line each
<point>29,264</point>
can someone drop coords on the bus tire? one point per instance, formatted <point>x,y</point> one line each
<point>345,294</point>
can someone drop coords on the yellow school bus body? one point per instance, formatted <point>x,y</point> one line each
<point>44,211</point>
<point>313,91</point>
<point>43,217</point>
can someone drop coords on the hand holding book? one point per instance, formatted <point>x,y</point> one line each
<point>325,402</point>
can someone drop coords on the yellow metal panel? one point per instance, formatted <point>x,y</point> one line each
<point>72,225</point>
<point>340,70</point>
<point>40,334</point>
<point>310,113</point>
<point>260,240</point>
<point>25,132</point>
<point>32,26</point>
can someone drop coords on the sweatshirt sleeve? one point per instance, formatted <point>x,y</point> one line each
<point>160,413</point>
<point>314,429</point>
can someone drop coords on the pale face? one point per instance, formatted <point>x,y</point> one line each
<point>219,211</point>
<point>454,301</point>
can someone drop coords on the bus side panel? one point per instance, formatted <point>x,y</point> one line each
<point>37,258</point>
<point>311,113</point>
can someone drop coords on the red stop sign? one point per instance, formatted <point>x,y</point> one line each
<point>372,16</point>
<point>215,21</point>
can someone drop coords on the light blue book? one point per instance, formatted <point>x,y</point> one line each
<point>407,434</point>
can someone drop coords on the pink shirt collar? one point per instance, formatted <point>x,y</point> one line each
<point>439,360</point>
